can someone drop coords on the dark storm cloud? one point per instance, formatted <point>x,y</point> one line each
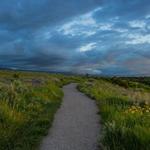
<point>85,36</point>
<point>41,60</point>
<point>33,14</point>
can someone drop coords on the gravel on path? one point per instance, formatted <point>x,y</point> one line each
<point>76,125</point>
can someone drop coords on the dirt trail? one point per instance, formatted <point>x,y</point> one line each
<point>76,124</point>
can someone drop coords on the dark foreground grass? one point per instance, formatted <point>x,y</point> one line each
<point>28,103</point>
<point>125,115</point>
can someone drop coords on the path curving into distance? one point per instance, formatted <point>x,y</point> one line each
<point>76,124</point>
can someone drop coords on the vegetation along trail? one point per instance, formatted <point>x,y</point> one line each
<point>76,124</point>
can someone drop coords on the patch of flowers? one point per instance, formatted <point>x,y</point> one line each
<point>138,109</point>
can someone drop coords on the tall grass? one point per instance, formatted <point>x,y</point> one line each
<point>26,110</point>
<point>125,117</point>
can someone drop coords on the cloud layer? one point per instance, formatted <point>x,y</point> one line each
<point>108,37</point>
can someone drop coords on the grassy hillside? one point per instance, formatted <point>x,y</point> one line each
<point>125,114</point>
<point>28,102</point>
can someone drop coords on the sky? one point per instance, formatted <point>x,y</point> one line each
<point>100,37</point>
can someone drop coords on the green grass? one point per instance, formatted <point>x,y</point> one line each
<point>125,115</point>
<point>28,102</point>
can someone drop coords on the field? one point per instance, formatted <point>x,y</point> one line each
<point>124,105</point>
<point>29,100</point>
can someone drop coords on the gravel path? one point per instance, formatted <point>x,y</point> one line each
<point>76,123</point>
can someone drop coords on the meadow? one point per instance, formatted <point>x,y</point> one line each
<point>124,109</point>
<point>29,100</point>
